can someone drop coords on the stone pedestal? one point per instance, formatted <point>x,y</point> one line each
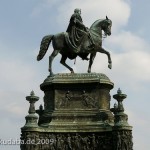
<point>76,103</point>
<point>76,114</point>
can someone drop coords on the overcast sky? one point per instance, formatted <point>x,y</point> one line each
<point>23,23</point>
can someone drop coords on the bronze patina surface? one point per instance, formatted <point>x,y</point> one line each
<point>77,41</point>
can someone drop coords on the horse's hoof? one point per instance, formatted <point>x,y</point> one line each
<point>51,73</point>
<point>89,71</point>
<point>38,58</point>
<point>72,71</point>
<point>109,66</point>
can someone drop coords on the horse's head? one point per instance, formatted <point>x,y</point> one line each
<point>106,26</point>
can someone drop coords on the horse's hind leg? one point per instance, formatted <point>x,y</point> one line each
<point>51,57</point>
<point>92,56</point>
<point>63,62</point>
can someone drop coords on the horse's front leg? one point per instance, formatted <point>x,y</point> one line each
<point>92,56</point>
<point>102,50</point>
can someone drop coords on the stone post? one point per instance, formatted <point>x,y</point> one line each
<point>29,135</point>
<point>122,131</point>
<point>31,119</point>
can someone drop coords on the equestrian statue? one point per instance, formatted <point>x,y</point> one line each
<point>78,40</point>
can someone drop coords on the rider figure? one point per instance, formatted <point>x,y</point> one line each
<point>76,21</point>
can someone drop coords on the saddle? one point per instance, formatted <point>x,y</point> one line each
<point>76,39</point>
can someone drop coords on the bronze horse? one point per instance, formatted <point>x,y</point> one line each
<point>60,45</point>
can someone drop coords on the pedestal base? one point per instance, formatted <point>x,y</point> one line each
<point>76,114</point>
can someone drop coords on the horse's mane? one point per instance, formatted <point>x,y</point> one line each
<point>96,21</point>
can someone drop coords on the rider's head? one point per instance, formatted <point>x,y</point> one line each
<point>77,10</point>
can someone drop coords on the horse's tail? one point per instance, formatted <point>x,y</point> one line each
<point>44,46</point>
